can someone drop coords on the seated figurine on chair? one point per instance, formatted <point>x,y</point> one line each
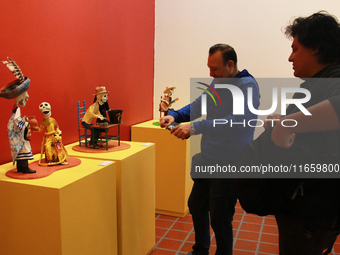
<point>18,129</point>
<point>166,101</point>
<point>93,112</point>
<point>48,145</point>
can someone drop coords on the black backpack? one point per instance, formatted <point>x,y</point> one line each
<point>306,197</point>
<point>264,196</point>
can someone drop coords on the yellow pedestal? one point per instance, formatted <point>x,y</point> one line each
<point>173,182</point>
<point>135,195</point>
<point>69,212</point>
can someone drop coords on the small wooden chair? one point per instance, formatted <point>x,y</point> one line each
<point>82,135</point>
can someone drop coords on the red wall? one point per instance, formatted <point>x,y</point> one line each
<point>67,48</point>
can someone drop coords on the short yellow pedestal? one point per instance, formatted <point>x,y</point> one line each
<point>135,195</point>
<point>173,182</point>
<point>69,212</point>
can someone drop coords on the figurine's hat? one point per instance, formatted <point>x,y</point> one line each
<point>17,87</point>
<point>100,90</point>
<point>169,89</point>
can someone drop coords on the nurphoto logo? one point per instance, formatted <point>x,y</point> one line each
<point>238,99</point>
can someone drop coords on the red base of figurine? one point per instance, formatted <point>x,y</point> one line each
<point>42,171</point>
<point>113,146</point>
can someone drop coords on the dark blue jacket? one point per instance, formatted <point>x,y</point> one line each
<point>223,142</point>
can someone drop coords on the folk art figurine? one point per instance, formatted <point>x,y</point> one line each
<point>18,128</point>
<point>166,101</point>
<point>55,152</point>
<point>94,112</point>
<point>103,106</point>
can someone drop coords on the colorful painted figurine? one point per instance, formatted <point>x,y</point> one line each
<point>18,129</point>
<point>166,101</point>
<point>59,152</point>
<point>55,152</point>
<point>103,107</point>
<point>93,112</point>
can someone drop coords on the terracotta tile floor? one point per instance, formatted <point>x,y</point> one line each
<point>253,235</point>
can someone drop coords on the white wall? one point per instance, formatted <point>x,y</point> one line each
<point>186,29</point>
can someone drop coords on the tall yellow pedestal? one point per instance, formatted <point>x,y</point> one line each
<point>173,182</point>
<point>135,195</point>
<point>69,212</point>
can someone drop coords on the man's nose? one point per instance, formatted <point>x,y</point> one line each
<point>290,58</point>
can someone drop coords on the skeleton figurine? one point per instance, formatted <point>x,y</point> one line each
<point>94,112</point>
<point>102,99</point>
<point>166,101</point>
<point>55,153</point>
<point>18,129</point>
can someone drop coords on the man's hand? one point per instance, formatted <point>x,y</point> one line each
<point>271,120</point>
<point>282,136</point>
<point>181,131</point>
<point>166,121</point>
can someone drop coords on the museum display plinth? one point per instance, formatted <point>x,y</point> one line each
<point>173,182</point>
<point>135,195</point>
<point>70,212</point>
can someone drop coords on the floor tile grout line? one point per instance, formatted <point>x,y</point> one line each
<point>177,219</point>
<point>212,237</point>
<point>172,239</point>
<point>263,252</point>
<point>179,230</point>
<point>254,241</point>
<point>165,233</point>
<point>163,249</point>
<point>254,223</point>
<point>259,239</point>
<point>252,231</point>
<point>184,241</point>
<point>179,252</point>
<point>238,229</point>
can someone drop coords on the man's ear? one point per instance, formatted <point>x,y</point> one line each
<point>230,65</point>
<point>315,51</point>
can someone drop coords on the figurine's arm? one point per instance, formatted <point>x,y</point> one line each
<point>91,113</point>
<point>98,115</point>
<point>42,125</point>
<point>20,122</point>
<point>56,126</point>
<point>57,130</point>
<point>165,101</point>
